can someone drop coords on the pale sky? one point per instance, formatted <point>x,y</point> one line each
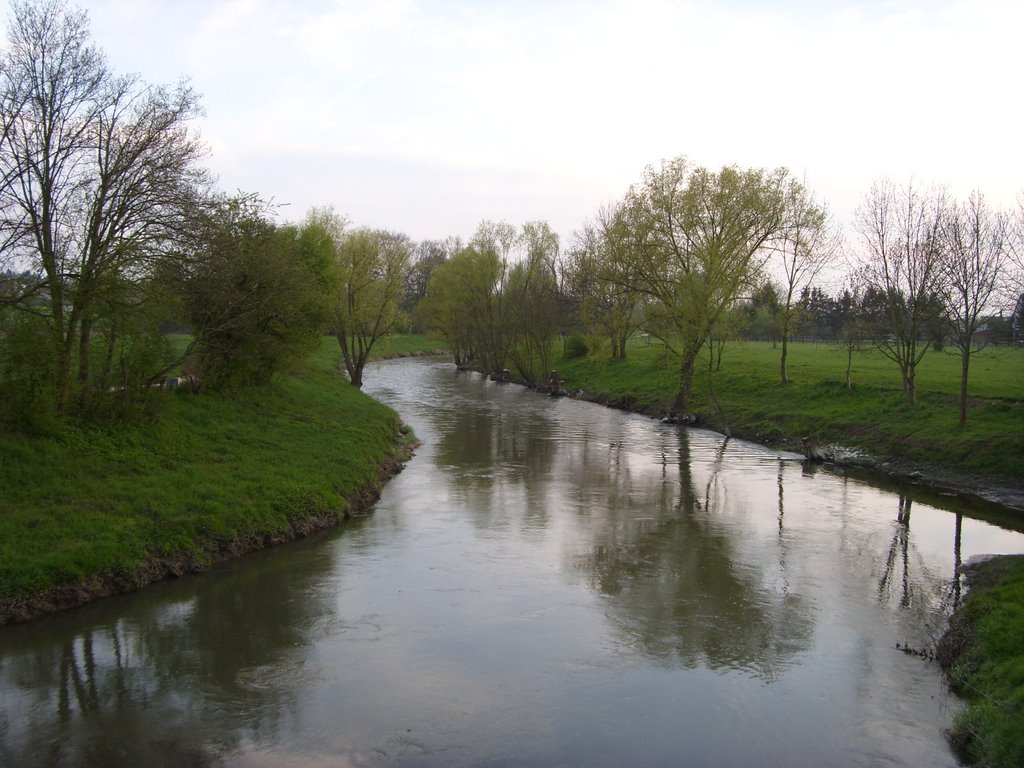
<point>427,117</point>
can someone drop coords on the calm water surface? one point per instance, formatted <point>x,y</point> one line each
<point>547,583</point>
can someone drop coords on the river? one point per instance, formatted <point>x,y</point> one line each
<point>547,583</point>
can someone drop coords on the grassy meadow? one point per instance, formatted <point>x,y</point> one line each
<point>872,415</point>
<point>214,472</point>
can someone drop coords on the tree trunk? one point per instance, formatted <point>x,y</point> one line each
<point>849,367</point>
<point>714,397</point>
<point>84,339</point>
<point>785,352</point>
<point>353,364</point>
<point>685,380</point>
<point>965,362</point>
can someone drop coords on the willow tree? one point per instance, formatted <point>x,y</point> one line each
<point>447,306</point>
<point>702,238</point>
<point>533,303</point>
<point>371,269</point>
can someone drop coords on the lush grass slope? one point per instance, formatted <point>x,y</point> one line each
<point>215,473</point>
<point>984,655</point>
<point>873,415</point>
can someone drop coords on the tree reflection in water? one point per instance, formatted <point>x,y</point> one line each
<point>174,682</point>
<point>677,591</point>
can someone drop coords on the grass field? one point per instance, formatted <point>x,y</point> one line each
<point>873,415</point>
<point>212,471</point>
<point>983,654</point>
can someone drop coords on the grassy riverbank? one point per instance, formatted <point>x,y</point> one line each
<point>873,415</point>
<point>983,654</point>
<point>96,510</point>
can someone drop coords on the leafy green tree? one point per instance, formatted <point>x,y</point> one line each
<point>426,257</point>
<point>533,303</point>
<point>256,294</point>
<point>371,269</point>
<point>453,304</point>
<point>703,236</point>
<point>852,325</point>
<point>765,313</point>
<point>600,276</point>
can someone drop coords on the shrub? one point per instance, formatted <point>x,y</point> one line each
<point>576,346</point>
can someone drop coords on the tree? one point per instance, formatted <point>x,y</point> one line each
<point>852,330</point>
<point>764,313</point>
<point>806,245</point>
<point>899,228</point>
<point>533,303</point>
<point>371,269</point>
<point>97,175</point>
<point>1014,284</point>
<point>974,241</point>
<point>703,236</point>
<point>600,273</point>
<point>457,301</point>
<point>256,295</point>
<point>426,257</point>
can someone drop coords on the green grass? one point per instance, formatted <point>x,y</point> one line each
<point>873,415</point>
<point>213,471</point>
<point>984,656</point>
<point>404,345</point>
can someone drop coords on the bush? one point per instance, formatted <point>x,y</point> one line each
<point>576,346</point>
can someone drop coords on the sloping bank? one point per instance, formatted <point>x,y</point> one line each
<point>983,655</point>
<point>94,512</point>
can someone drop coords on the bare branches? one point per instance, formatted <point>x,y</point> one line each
<point>899,228</point>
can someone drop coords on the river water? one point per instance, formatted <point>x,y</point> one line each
<point>548,583</point>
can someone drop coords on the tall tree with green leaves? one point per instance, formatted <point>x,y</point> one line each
<point>371,269</point>
<point>257,295</point>
<point>533,303</point>
<point>459,304</point>
<point>703,236</point>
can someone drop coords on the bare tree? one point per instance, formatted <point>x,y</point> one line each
<point>1014,283</point>
<point>602,278</point>
<point>902,262</point>
<point>97,173</point>
<point>975,243</point>
<point>806,245</point>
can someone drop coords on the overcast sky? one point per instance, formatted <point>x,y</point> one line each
<point>427,117</point>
